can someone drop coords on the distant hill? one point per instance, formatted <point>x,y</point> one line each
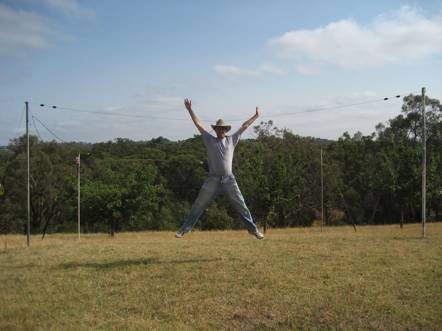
<point>322,141</point>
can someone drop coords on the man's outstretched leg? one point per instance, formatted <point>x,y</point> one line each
<point>207,194</point>
<point>233,193</point>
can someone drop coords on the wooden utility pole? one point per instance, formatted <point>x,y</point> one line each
<point>78,194</point>
<point>424,166</point>
<point>322,194</point>
<point>28,226</point>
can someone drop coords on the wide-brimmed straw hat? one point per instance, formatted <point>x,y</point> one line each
<point>220,124</point>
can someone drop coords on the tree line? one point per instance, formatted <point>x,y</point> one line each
<point>150,185</point>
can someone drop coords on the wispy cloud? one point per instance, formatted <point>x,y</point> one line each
<point>272,69</point>
<point>233,71</point>
<point>163,102</point>
<point>308,69</point>
<point>236,72</point>
<point>22,32</point>
<point>402,36</point>
<point>159,103</point>
<point>70,8</point>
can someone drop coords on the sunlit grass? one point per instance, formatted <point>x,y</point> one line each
<point>379,278</point>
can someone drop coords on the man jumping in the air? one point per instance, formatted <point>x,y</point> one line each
<point>221,179</point>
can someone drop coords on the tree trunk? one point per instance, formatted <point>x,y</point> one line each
<point>402,217</point>
<point>44,229</point>
<point>347,210</point>
<point>281,217</point>
<point>326,215</point>
<point>112,228</point>
<point>375,209</point>
<point>413,212</point>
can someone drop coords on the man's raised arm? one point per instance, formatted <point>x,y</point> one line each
<point>252,119</point>
<point>195,119</point>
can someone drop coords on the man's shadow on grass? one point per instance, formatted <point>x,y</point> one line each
<point>135,262</point>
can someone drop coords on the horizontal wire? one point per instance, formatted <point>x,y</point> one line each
<point>102,112</point>
<point>230,120</point>
<point>312,110</point>
<point>331,107</point>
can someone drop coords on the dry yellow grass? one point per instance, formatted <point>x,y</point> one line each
<point>380,278</point>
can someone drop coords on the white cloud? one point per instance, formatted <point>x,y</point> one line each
<point>308,69</point>
<point>233,71</point>
<point>236,72</point>
<point>156,103</point>
<point>163,102</point>
<point>403,36</point>
<point>22,32</point>
<point>150,106</point>
<point>69,8</point>
<point>272,69</point>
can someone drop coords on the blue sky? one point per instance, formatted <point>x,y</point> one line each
<point>142,58</point>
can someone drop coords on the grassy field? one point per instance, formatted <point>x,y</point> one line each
<point>380,278</point>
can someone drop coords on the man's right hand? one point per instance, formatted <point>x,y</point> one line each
<point>195,119</point>
<point>188,104</point>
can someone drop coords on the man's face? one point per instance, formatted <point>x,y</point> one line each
<point>220,132</point>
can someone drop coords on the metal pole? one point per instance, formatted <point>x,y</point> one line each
<point>78,194</point>
<point>28,227</point>
<point>424,165</point>
<point>322,194</point>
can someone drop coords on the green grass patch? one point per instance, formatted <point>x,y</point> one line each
<point>379,278</point>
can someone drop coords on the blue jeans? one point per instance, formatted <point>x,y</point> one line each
<point>212,187</point>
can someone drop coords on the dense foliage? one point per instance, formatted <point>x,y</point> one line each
<point>128,185</point>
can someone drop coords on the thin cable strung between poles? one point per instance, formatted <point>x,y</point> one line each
<point>102,112</point>
<point>333,107</point>
<point>35,126</point>
<point>230,120</point>
<point>52,133</point>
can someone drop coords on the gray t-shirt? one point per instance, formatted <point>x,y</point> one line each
<point>220,153</point>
